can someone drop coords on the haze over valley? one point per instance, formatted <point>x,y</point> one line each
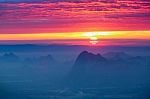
<point>87,73</point>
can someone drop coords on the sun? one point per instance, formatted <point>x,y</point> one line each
<point>93,37</point>
<point>93,40</point>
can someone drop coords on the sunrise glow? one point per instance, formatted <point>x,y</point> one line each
<point>75,21</point>
<point>79,35</point>
<point>83,38</point>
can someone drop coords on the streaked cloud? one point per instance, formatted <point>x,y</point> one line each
<point>90,15</point>
<point>74,16</point>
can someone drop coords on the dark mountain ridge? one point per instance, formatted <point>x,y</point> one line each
<point>95,70</point>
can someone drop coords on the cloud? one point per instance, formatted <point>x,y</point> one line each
<point>48,15</point>
<point>76,1</point>
<point>134,15</point>
<point>66,9</point>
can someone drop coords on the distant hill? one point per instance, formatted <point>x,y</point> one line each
<point>133,50</point>
<point>117,55</point>
<point>9,58</point>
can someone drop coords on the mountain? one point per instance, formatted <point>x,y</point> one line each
<point>117,55</point>
<point>93,70</point>
<point>85,68</point>
<point>87,61</point>
<point>41,65</point>
<point>9,58</point>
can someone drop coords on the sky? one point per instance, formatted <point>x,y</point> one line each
<point>81,22</point>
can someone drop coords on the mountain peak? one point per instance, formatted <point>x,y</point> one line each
<point>87,60</point>
<point>85,55</point>
<point>86,64</point>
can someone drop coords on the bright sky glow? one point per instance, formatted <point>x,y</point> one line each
<point>92,20</point>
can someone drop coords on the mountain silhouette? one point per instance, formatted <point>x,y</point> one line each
<point>84,71</point>
<point>87,61</point>
<point>94,70</point>
<point>117,55</point>
<point>9,57</point>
